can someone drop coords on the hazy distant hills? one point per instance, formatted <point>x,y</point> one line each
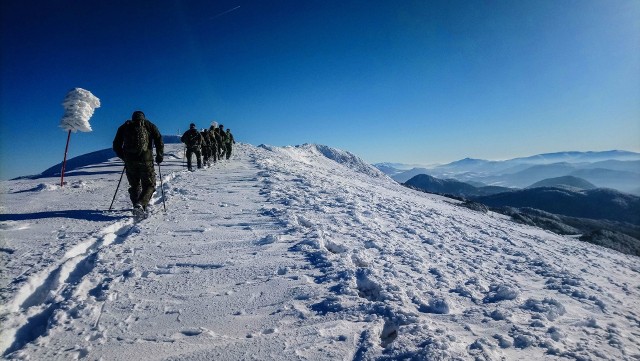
<point>452,187</point>
<point>615,169</point>
<point>596,203</point>
<point>564,182</point>
<point>403,176</point>
<point>569,196</point>
<point>579,157</point>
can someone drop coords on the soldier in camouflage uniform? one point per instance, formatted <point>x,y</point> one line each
<point>206,147</point>
<point>223,141</point>
<point>230,143</point>
<point>133,144</point>
<point>193,140</point>
<point>218,138</point>
<point>214,143</point>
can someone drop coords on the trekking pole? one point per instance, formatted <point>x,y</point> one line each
<point>162,189</point>
<point>114,195</point>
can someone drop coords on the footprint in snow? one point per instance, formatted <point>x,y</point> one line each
<point>269,331</point>
<point>191,331</point>
<point>13,226</point>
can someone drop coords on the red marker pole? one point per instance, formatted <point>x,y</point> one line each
<point>64,162</point>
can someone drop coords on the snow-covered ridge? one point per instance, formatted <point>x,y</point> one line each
<point>296,253</point>
<point>308,153</point>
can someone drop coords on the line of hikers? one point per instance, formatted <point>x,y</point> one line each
<point>208,145</point>
<point>134,143</point>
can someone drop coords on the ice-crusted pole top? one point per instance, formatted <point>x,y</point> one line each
<point>79,105</point>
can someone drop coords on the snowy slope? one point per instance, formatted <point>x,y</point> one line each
<point>296,253</point>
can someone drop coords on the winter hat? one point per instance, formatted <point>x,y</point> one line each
<point>192,126</point>
<point>137,115</point>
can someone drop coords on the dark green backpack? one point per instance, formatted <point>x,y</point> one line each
<point>193,138</point>
<point>136,139</point>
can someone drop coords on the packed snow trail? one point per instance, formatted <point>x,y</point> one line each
<point>299,253</point>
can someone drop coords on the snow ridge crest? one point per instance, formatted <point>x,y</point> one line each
<point>306,152</point>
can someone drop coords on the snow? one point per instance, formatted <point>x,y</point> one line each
<point>299,252</point>
<point>79,105</point>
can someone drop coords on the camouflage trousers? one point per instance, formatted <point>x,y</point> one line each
<point>228,147</point>
<point>214,153</point>
<point>206,153</point>
<point>197,152</point>
<point>142,181</point>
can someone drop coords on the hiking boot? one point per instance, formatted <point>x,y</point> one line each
<point>138,211</point>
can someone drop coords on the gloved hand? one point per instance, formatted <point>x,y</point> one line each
<point>159,158</point>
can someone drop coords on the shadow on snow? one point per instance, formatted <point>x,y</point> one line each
<point>84,214</point>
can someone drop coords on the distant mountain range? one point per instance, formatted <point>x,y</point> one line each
<point>569,196</point>
<point>615,169</point>
<point>599,203</point>
<point>452,187</point>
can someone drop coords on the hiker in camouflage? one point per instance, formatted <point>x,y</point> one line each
<point>229,144</point>
<point>193,140</point>
<point>206,147</point>
<point>218,138</point>
<point>223,141</point>
<point>133,144</point>
<point>214,143</point>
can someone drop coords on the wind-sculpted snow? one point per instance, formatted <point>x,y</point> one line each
<point>310,152</point>
<point>297,253</point>
<point>349,160</point>
<point>79,105</point>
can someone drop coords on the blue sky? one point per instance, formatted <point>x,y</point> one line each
<point>402,81</point>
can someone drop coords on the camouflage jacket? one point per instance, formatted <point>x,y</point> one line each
<point>192,138</point>
<point>154,138</point>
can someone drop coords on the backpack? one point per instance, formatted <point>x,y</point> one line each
<point>205,138</point>
<point>192,138</point>
<point>136,140</point>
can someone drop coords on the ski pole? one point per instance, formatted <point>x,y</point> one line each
<point>114,195</point>
<point>162,188</point>
<point>184,156</point>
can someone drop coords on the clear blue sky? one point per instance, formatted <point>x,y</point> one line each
<point>402,81</point>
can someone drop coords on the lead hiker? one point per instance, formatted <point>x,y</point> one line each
<point>134,145</point>
<point>193,140</point>
<point>229,144</point>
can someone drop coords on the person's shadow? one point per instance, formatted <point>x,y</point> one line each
<point>84,214</point>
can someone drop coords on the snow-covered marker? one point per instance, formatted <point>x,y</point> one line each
<point>79,105</point>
